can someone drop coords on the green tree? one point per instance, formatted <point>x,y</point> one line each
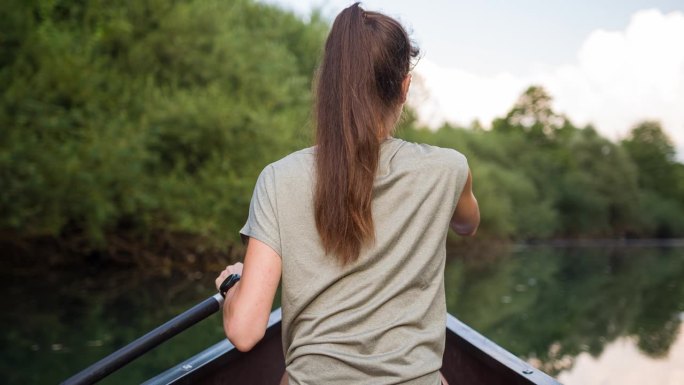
<point>532,114</point>
<point>661,199</point>
<point>654,154</point>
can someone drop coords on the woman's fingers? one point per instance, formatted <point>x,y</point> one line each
<point>231,269</point>
<point>221,278</point>
<point>235,268</point>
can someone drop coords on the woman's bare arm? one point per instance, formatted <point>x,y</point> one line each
<point>248,304</point>
<point>466,218</point>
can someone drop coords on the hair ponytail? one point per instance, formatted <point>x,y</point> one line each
<point>367,55</point>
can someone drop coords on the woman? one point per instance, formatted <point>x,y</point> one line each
<point>356,226</point>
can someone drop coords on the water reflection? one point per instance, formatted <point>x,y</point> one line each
<point>554,306</point>
<point>59,322</point>
<point>623,363</point>
<point>576,313</point>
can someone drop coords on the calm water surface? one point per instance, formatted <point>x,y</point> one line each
<point>586,315</point>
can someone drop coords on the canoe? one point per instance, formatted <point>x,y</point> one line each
<point>469,358</point>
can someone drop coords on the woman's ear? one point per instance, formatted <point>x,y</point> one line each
<point>405,84</point>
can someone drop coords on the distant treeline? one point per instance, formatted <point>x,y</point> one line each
<point>155,117</point>
<point>538,176</point>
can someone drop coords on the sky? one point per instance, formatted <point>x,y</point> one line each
<point>611,63</point>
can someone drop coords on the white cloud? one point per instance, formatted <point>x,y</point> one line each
<point>449,94</point>
<point>620,78</point>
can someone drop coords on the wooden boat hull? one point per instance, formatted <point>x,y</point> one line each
<point>469,358</point>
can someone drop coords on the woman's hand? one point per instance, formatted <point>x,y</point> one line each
<point>232,269</point>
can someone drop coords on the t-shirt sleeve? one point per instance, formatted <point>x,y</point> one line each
<point>262,222</point>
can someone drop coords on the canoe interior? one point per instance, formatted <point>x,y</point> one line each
<point>469,358</point>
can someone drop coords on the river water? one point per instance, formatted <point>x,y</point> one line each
<point>587,315</point>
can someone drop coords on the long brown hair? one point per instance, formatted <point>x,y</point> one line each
<point>367,56</point>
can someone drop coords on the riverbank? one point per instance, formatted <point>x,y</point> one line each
<point>604,242</point>
<point>164,252</point>
<point>157,252</point>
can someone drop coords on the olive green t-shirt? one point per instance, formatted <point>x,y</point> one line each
<point>380,320</point>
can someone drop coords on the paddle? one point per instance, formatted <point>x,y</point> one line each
<point>152,339</point>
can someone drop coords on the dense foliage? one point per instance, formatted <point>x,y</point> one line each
<point>156,116</point>
<point>148,116</point>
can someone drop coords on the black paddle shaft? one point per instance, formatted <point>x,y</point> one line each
<point>135,349</point>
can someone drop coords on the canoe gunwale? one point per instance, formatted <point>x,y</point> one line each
<point>489,354</point>
<point>498,357</point>
<point>223,351</point>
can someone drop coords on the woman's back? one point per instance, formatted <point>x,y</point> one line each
<point>356,226</point>
<point>380,319</point>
